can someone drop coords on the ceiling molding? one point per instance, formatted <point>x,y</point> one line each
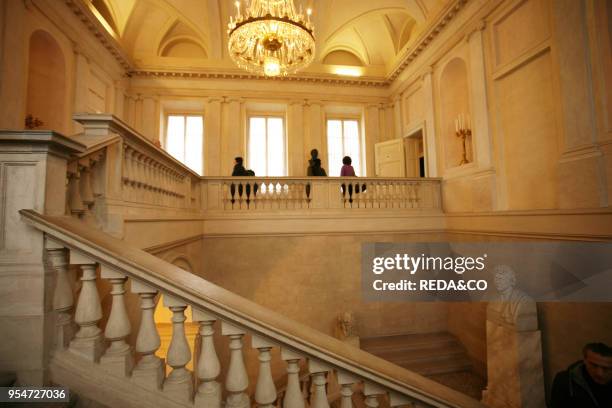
<point>318,79</point>
<point>445,16</point>
<point>82,11</point>
<point>426,37</point>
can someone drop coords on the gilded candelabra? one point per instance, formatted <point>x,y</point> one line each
<point>462,130</point>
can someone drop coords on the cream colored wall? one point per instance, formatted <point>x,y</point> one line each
<point>92,79</point>
<point>313,279</point>
<point>540,120</point>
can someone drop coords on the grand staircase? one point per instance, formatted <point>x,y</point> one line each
<point>104,367</point>
<point>97,332</point>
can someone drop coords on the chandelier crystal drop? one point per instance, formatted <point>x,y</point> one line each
<point>271,37</point>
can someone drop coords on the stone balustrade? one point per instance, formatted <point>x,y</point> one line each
<point>318,193</point>
<point>122,168</point>
<point>103,257</point>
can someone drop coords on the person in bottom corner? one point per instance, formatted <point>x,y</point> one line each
<point>586,383</point>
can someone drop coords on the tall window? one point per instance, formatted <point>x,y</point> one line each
<point>184,138</point>
<point>266,156</point>
<point>343,140</point>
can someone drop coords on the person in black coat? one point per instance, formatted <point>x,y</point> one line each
<point>314,165</point>
<point>586,383</point>
<point>239,169</point>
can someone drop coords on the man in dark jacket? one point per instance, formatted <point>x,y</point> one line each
<point>239,169</point>
<point>586,383</point>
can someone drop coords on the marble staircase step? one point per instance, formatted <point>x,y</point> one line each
<point>426,354</point>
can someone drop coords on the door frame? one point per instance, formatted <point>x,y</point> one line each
<point>411,133</point>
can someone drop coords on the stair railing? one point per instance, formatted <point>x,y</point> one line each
<point>101,256</point>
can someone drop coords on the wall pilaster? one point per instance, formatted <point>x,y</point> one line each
<point>581,176</point>
<point>430,126</point>
<point>296,154</point>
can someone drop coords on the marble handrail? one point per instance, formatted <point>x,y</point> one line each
<point>313,193</point>
<point>239,316</point>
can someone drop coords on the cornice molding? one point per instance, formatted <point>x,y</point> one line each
<point>81,10</point>
<point>315,79</point>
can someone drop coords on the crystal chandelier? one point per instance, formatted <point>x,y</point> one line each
<point>271,37</point>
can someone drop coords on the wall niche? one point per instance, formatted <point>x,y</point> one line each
<point>454,101</point>
<point>46,81</point>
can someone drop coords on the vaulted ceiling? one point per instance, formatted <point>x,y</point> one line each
<point>364,37</point>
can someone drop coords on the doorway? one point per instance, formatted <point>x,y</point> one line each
<point>414,151</point>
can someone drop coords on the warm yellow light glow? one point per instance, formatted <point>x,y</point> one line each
<point>271,66</point>
<point>271,38</point>
<point>348,71</point>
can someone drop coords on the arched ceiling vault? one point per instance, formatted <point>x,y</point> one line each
<point>174,34</point>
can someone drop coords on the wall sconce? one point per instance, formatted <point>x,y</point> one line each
<point>462,130</point>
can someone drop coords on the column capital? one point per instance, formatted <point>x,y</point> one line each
<point>478,27</point>
<point>231,99</point>
<point>293,102</point>
<point>377,105</point>
<point>427,72</point>
<point>214,99</point>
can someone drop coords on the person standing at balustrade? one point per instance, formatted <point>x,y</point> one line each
<point>347,170</point>
<point>314,168</point>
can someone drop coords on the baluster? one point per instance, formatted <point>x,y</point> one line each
<point>118,357</point>
<point>209,367</point>
<point>75,203</point>
<point>248,194</point>
<point>126,164</point>
<point>416,188</point>
<point>225,195</point>
<point>63,299</point>
<point>267,201</point>
<point>147,180</point>
<point>365,194</point>
<point>255,203</point>
<point>165,187</point>
<point>149,372</point>
<point>154,183</point>
<point>318,372</point>
<point>85,183</point>
<point>139,170</point>
<point>179,383</point>
<point>371,392</point>
<point>357,195</point>
<point>237,380</point>
<point>242,204</point>
<point>265,390</point>
<point>346,381</point>
<point>293,394</point>
<point>133,172</point>
<point>274,195</point>
<point>288,198</point>
<point>305,190</point>
<point>391,194</point>
<point>402,194</point>
<point>88,341</point>
<point>383,194</point>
